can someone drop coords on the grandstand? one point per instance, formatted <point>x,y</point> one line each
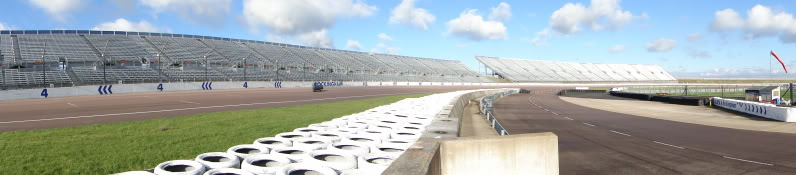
<point>523,70</point>
<point>78,57</point>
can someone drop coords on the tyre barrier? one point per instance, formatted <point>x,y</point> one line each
<point>213,160</point>
<point>228,171</point>
<point>306,168</point>
<point>180,167</point>
<point>265,163</point>
<point>243,151</point>
<point>337,160</point>
<point>361,143</point>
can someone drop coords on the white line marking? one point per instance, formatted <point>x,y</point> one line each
<point>546,110</point>
<point>568,118</point>
<point>668,144</point>
<point>189,102</point>
<point>620,133</point>
<point>554,113</point>
<point>193,108</point>
<point>750,161</point>
<point>589,124</point>
<point>70,104</point>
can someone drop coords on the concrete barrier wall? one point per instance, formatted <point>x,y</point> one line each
<point>181,86</point>
<point>424,156</point>
<point>535,153</point>
<point>764,110</point>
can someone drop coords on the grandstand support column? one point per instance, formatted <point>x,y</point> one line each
<point>160,69</point>
<point>304,72</point>
<point>44,65</point>
<point>105,63</point>
<point>277,70</point>
<point>244,68</point>
<point>206,63</point>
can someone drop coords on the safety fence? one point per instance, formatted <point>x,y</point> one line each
<point>486,108</point>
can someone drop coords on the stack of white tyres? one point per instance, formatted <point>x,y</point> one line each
<point>363,143</point>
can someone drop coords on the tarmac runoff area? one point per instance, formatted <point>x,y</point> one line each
<point>683,113</point>
<point>86,110</point>
<point>593,141</point>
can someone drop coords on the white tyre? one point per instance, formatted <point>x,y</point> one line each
<point>135,173</point>
<point>266,164</point>
<point>228,171</point>
<point>400,143</point>
<point>347,130</point>
<point>180,167</point>
<point>293,135</point>
<point>357,149</point>
<point>215,160</point>
<point>273,142</point>
<point>293,153</point>
<point>330,135</point>
<point>406,134</point>
<point>243,151</point>
<point>312,143</point>
<point>378,133</point>
<point>337,160</point>
<point>309,129</point>
<point>306,168</point>
<point>370,141</point>
<point>389,150</point>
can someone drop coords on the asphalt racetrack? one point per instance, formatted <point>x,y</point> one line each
<point>599,142</point>
<point>85,110</point>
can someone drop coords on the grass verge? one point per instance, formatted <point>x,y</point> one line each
<point>119,147</point>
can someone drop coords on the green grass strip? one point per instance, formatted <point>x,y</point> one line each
<point>120,147</point>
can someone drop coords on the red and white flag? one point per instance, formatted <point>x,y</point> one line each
<point>780,61</point>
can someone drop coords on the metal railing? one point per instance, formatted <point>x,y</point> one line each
<point>486,108</point>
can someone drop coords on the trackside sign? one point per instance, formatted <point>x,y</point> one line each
<point>769,111</point>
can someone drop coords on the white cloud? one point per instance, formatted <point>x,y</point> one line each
<point>307,20</point>
<point>694,37</point>
<point>406,13</point>
<point>58,9</point>
<point>541,37</point>
<point>600,15</point>
<point>617,48</point>
<point>472,25</point>
<point>122,24</point>
<point>301,16</point>
<point>276,38</point>
<point>661,45</point>
<point>316,39</point>
<point>761,21</point>
<point>384,37</point>
<point>4,26</point>
<point>208,12</point>
<point>353,45</point>
<point>501,13</point>
<point>697,53</point>
<point>741,73</point>
<point>384,48</point>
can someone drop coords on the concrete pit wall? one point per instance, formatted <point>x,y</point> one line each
<point>437,151</point>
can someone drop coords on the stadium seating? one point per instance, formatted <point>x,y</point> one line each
<point>523,70</point>
<point>78,56</point>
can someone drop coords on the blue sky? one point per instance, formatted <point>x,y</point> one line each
<point>688,38</point>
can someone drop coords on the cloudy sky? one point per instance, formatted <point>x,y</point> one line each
<point>688,38</point>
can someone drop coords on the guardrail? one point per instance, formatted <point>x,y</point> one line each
<point>486,109</point>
